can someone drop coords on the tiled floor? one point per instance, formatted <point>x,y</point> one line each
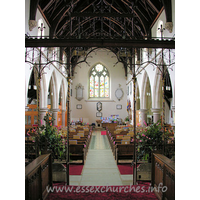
<point>100,168</point>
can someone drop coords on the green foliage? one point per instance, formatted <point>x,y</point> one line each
<point>151,138</point>
<point>50,135</point>
<point>126,119</point>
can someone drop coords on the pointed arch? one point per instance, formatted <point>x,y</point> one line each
<point>62,95</point>
<point>53,91</point>
<point>157,90</point>
<point>99,79</point>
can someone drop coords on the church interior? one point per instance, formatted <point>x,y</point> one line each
<point>99,99</point>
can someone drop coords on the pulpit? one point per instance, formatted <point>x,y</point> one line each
<point>98,121</point>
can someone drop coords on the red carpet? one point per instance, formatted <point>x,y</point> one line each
<point>103,132</point>
<point>125,169</point>
<point>75,169</point>
<point>141,191</point>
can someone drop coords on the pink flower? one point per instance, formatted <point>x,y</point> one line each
<point>84,145</point>
<point>28,134</point>
<point>140,140</point>
<point>33,141</point>
<point>145,123</point>
<point>41,122</point>
<point>143,135</point>
<point>114,142</point>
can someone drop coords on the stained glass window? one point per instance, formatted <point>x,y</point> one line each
<point>99,82</point>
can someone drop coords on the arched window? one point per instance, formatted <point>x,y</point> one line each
<point>99,82</point>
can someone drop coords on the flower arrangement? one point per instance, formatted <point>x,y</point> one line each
<point>51,138</point>
<point>149,139</point>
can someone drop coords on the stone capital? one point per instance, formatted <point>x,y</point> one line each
<point>54,110</point>
<point>143,110</point>
<point>44,109</point>
<point>32,24</point>
<point>169,26</point>
<point>156,110</point>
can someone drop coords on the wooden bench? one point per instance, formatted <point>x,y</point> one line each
<point>38,176</point>
<point>31,150</point>
<point>124,152</point>
<point>77,152</point>
<point>163,172</point>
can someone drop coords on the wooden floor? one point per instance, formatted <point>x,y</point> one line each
<point>100,168</point>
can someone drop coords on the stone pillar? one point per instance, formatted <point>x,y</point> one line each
<point>63,117</point>
<point>143,113</point>
<point>173,111</point>
<point>156,114</point>
<point>42,114</point>
<point>54,115</point>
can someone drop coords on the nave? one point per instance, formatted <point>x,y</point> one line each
<point>100,167</point>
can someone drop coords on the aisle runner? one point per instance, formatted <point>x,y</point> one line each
<point>103,132</point>
<point>100,167</point>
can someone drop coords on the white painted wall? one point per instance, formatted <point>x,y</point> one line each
<point>117,76</point>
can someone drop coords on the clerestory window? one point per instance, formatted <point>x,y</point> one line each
<point>99,82</point>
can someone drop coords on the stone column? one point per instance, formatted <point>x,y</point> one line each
<point>63,117</point>
<point>143,113</point>
<point>54,115</point>
<point>42,114</point>
<point>156,114</point>
<point>173,110</point>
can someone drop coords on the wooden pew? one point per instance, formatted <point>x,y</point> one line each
<point>77,152</point>
<point>31,150</point>
<point>163,172</point>
<point>124,152</point>
<point>38,176</point>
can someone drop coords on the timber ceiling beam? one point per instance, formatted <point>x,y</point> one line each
<point>168,10</point>
<point>33,5</point>
<point>100,43</point>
